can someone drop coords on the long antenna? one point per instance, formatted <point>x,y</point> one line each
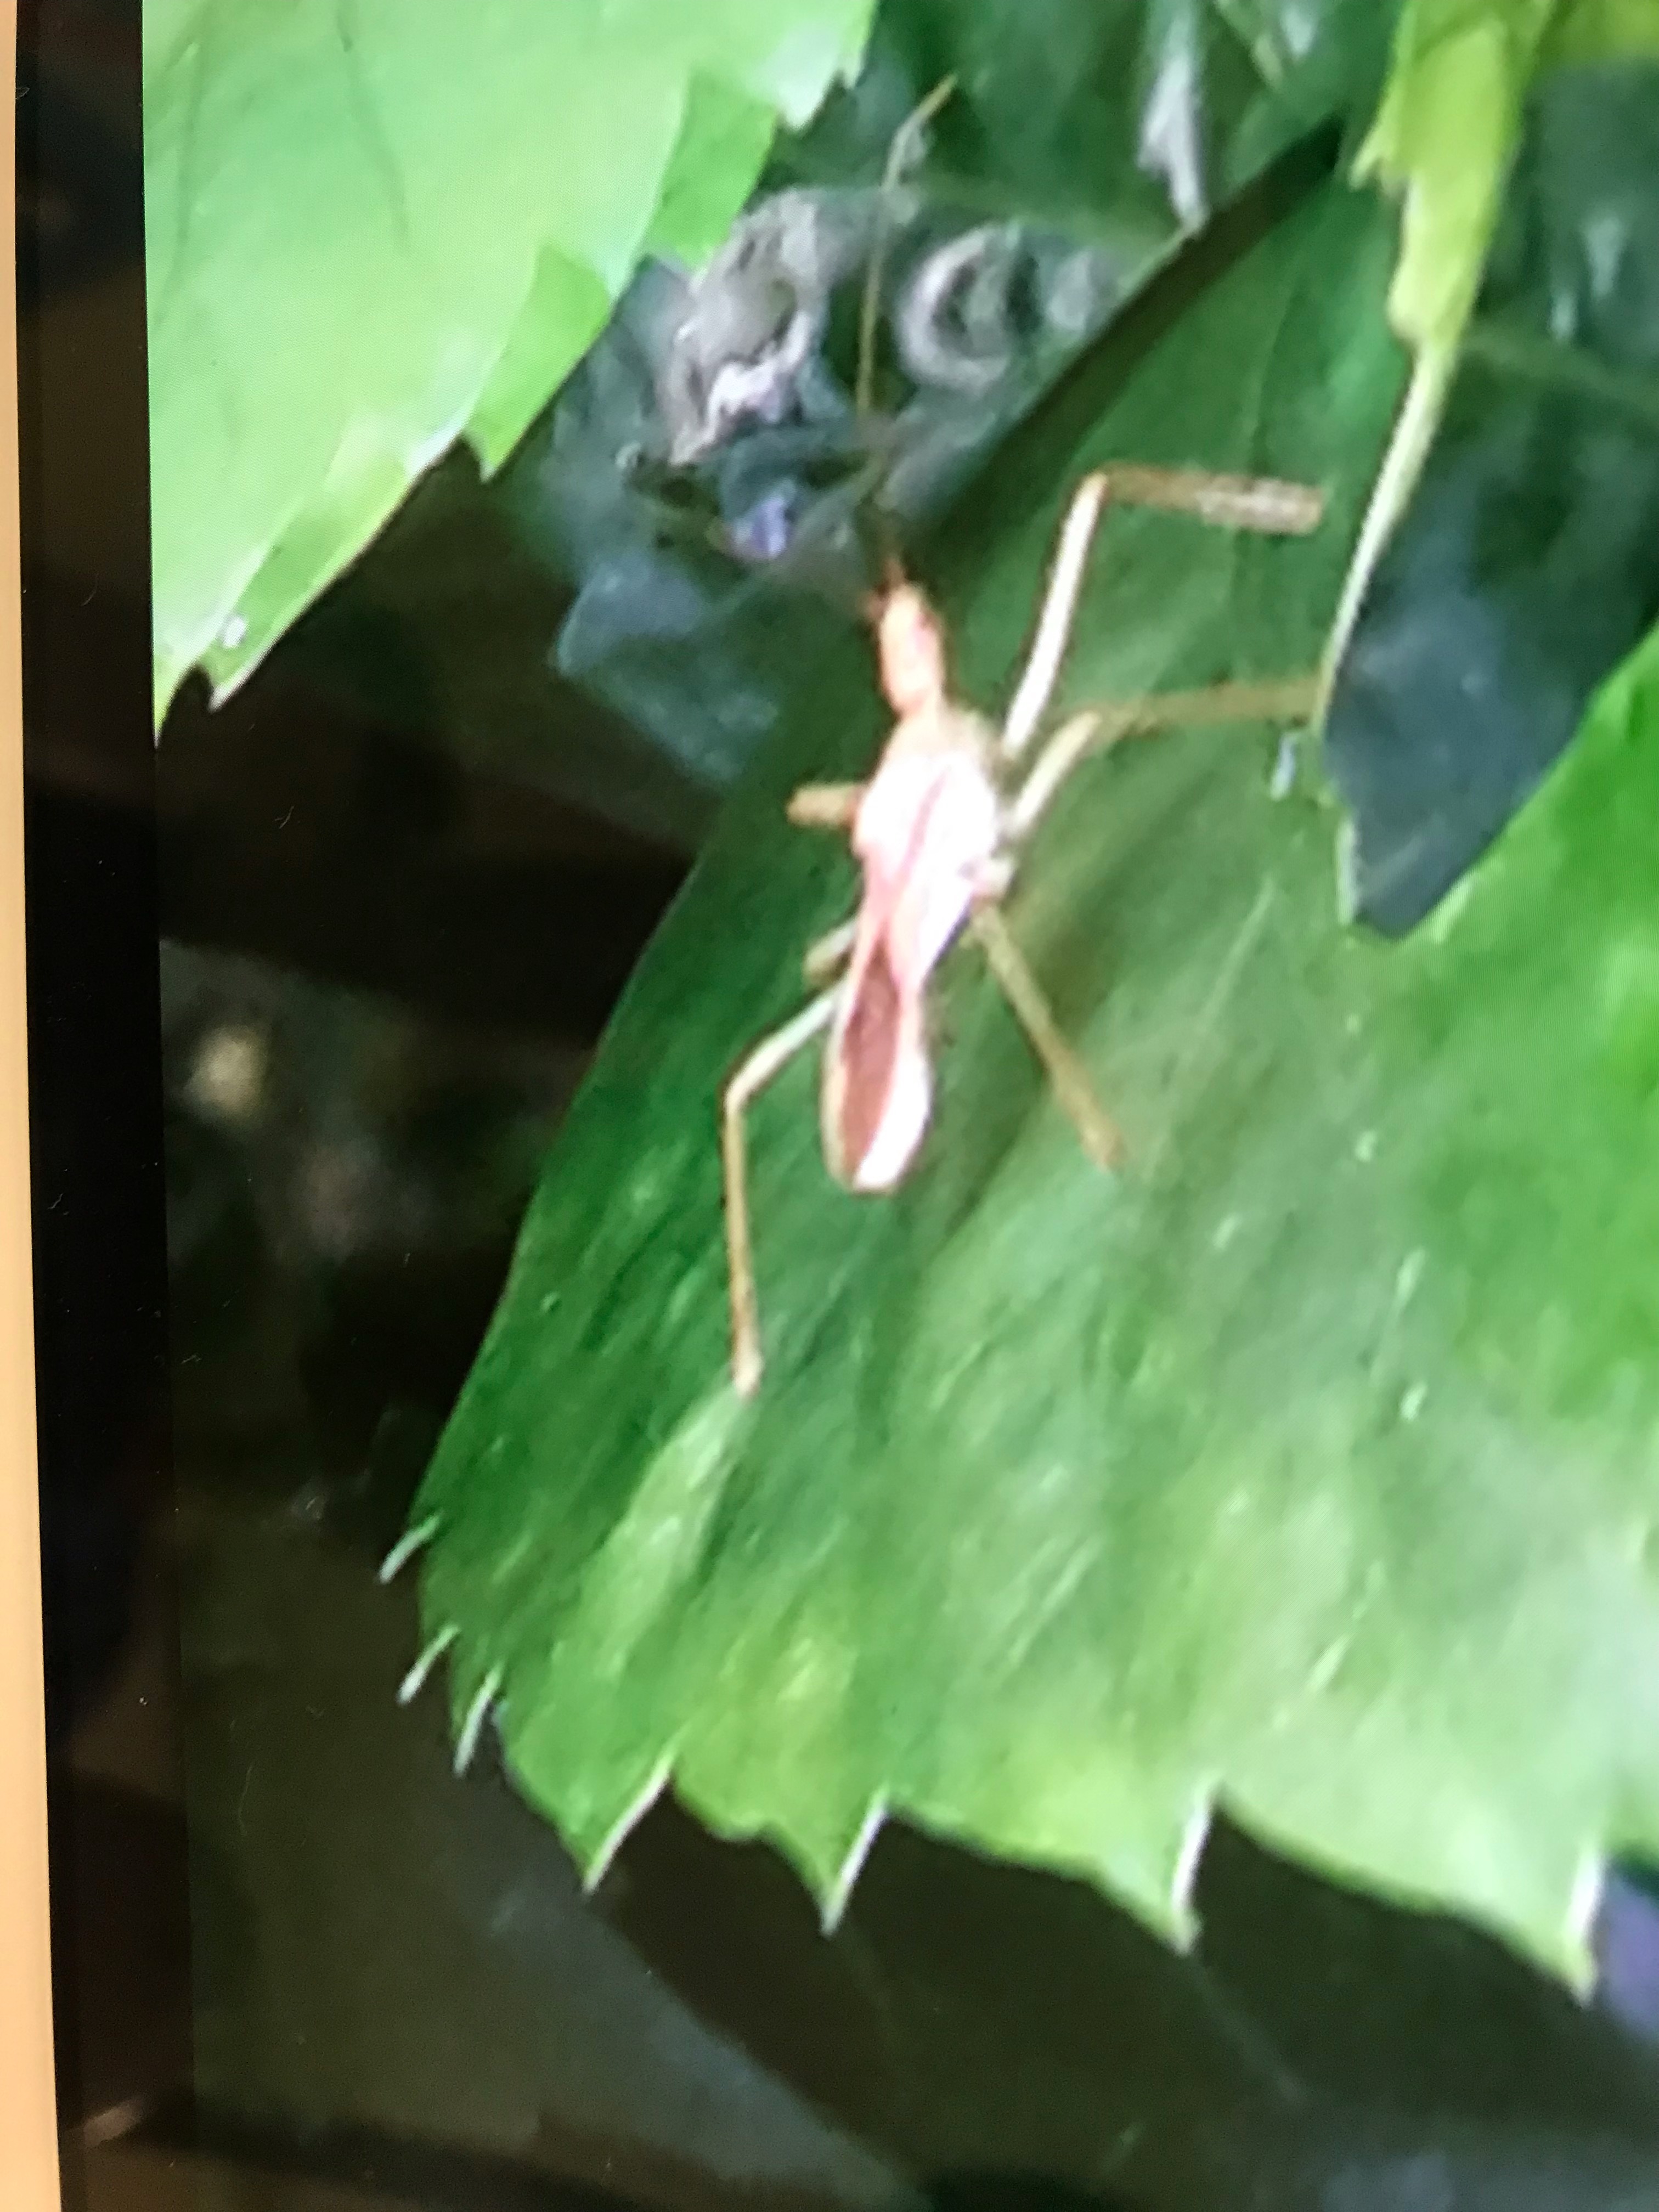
<point>905,150</point>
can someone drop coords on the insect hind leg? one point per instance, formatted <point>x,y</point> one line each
<point>1097,1133</point>
<point>767,1061</point>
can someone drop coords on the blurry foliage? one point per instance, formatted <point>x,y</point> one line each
<point>372,231</point>
<point>1292,1459</point>
<point>706,466</point>
<point>701,497</point>
<point>1123,232</point>
<point>1528,564</point>
<point>1444,139</point>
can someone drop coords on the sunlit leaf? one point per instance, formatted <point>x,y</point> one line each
<point>373,226</point>
<point>1603,30</point>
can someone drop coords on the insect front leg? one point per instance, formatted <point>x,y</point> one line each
<point>1264,505</point>
<point>825,805</point>
<point>1097,1133</point>
<point>1037,683</point>
<point>829,953</point>
<point>1084,733</point>
<point>767,1059</point>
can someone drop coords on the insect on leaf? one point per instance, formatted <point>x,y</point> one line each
<point>1306,1467</point>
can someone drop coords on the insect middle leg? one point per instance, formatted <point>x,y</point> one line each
<point>767,1059</point>
<point>1283,700</point>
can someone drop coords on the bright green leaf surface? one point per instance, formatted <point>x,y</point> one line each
<point>1603,30</point>
<point>1448,125</point>
<point>373,225</point>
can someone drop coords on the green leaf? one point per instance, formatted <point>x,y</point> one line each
<point>1527,566</point>
<point>1444,139</point>
<point>375,225</point>
<point>726,133</point>
<point>1603,30</point>
<point>1307,1467</point>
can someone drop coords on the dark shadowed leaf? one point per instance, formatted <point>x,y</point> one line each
<point>1082,148</point>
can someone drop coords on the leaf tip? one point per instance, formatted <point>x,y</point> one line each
<point>416,1680</point>
<point>838,1893</point>
<point>1585,1905</point>
<point>597,1863</point>
<point>1183,1876</point>
<point>477,1713</point>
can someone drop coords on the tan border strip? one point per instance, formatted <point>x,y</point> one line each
<point>28,2125</point>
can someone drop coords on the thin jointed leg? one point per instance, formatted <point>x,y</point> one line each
<point>1083,734</point>
<point>1267,506</point>
<point>908,141</point>
<point>825,805</point>
<point>1264,505</point>
<point>1097,1133</point>
<point>1054,627</point>
<point>1283,700</point>
<point>769,1059</point>
<point>828,953</point>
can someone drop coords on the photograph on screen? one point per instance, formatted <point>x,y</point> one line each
<point>843,871</point>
